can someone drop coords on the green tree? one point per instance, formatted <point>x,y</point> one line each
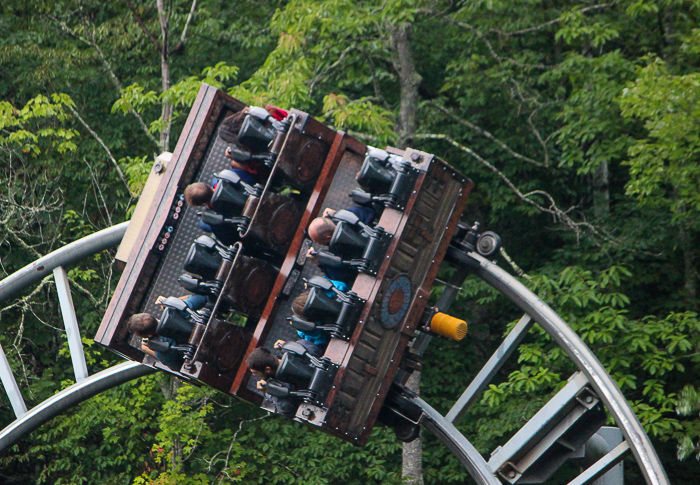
<point>577,122</point>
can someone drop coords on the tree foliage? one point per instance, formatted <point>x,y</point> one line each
<point>578,123</point>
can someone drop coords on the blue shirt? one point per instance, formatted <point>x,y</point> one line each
<point>195,302</point>
<point>321,338</point>
<point>364,213</point>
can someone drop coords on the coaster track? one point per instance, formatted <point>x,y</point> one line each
<point>496,471</point>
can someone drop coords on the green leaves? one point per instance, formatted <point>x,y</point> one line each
<point>360,115</point>
<point>184,92</point>
<point>663,167</point>
<point>134,98</point>
<point>35,127</point>
<point>576,28</point>
<point>537,89</point>
<point>181,94</point>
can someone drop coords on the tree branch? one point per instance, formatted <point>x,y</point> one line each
<point>24,302</point>
<point>145,30</point>
<point>559,215</point>
<point>550,23</point>
<point>485,134</point>
<point>518,270</point>
<point>84,291</point>
<point>492,51</point>
<point>98,190</point>
<point>183,37</point>
<point>108,68</point>
<point>213,459</point>
<point>102,144</point>
<point>330,68</point>
<point>516,89</point>
<point>163,18</point>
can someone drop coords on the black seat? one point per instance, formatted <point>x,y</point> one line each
<point>203,261</point>
<point>320,306</point>
<point>255,134</point>
<point>228,199</point>
<point>375,175</point>
<point>295,369</point>
<point>173,324</point>
<point>347,242</point>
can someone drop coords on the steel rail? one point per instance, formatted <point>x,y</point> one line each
<point>442,427</point>
<point>86,387</point>
<point>463,450</point>
<point>68,254</point>
<point>75,394</point>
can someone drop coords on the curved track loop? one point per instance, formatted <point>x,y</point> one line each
<point>465,452</point>
<point>592,373</point>
<point>86,386</point>
<point>69,397</point>
<point>68,254</point>
<point>483,472</point>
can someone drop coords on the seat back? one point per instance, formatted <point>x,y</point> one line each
<point>228,199</point>
<point>347,242</point>
<point>375,176</point>
<point>319,306</point>
<point>255,134</point>
<point>295,369</point>
<point>203,261</point>
<point>173,324</point>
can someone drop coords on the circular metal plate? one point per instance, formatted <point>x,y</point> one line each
<point>396,301</point>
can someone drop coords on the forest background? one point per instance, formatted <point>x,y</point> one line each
<point>579,123</point>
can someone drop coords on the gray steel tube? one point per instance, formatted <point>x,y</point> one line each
<point>69,254</point>
<point>69,397</point>
<point>465,452</point>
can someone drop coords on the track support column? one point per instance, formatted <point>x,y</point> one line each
<point>70,321</point>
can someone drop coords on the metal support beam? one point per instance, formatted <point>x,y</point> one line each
<point>534,439</point>
<point>11,387</point>
<point>581,355</point>
<point>18,282</point>
<point>599,468</point>
<point>489,370</point>
<point>70,322</point>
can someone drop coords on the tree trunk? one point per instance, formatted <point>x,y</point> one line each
<point>409,80</point>
<point>601,191</point>
<point>412,468</point>
<point>166,113</point>
<point>169,386</point>
<point>689,270</point>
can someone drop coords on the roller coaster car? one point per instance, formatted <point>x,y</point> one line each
<point>418,199</point>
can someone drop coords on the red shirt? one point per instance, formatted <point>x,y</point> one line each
<point>277,113</point>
